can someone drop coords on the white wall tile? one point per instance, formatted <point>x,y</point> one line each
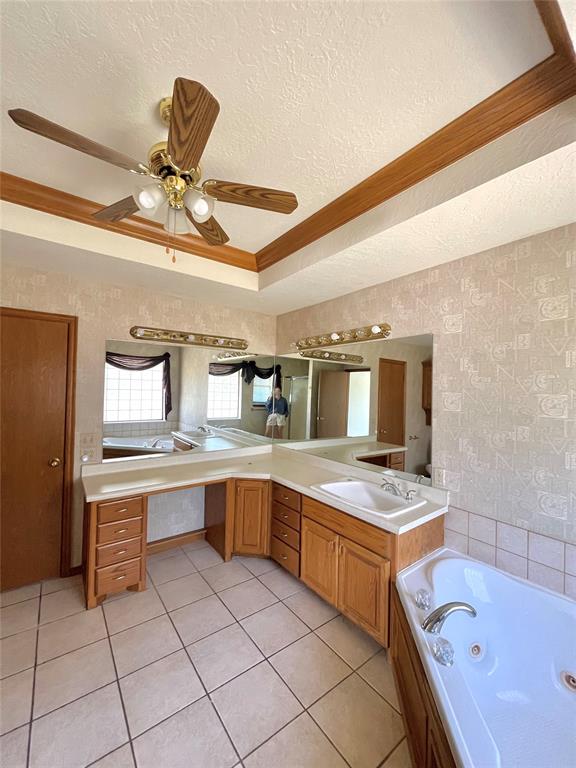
<point>511,563</point>
<point>570,586</point>
<point>545,576</point>
<point>512,539</point>
<point>547,551</point>
<point>482,551</point>
<point>482,528</point>
<point>457,520</point>
<point>456,541</point>
<point>570,564</point>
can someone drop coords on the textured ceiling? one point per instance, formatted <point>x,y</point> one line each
<point>314,96</point>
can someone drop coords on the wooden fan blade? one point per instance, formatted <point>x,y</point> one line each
<point>194,112</point>
<point>49,130</point>
<point>117,211</point>
<point>210,230</point>
<point>255,197</point>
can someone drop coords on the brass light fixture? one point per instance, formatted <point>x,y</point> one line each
<point>337,357</point>
<point>351,336</point>
<point>185,337</point>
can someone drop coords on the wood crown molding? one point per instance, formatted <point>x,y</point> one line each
<point>541,88</point>
<point>13,189</point>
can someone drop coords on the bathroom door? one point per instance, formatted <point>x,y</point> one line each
<point>332,419</point>
<point>37,410</point>
<point>391,401</point>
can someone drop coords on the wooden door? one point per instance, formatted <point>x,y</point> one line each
<point>391,401</point>
<point>37,403</point>
<point>251,519</point>
<point>319,559</point>
<point>363,588</point>
<point>332,417</point>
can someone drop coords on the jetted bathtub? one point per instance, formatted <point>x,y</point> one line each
<point>509,700</point>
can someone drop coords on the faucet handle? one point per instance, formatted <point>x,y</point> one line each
<point>443,651</point>
<point>409,495</point>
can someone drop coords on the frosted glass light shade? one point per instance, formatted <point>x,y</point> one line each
<point>149,197</point>
<point>176,222</point>
<point>200,206</point>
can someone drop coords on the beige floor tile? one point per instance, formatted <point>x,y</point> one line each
<point>16,700</point>
<point>378,673</point>
<point>58,605</point>
<point>17,653</point>
<point>301,744</point>
<point>282,583</point>
<point>68,634</point>
<point>310,668</point>
<point>14,748</point>
<point>57,585</point>
<point>226,575</point>
<point>400,758</point>
<point>254,706</point>
<point>138,607</point>
<point>19,617</point>
<point>13,596</point>
<point>159,690</point>
<point>247,598</point>
<point>79,733</point>
<point>157,556</point>
<point>350,642</point>
<point>68,677</point>
<point>258,565</point>
<point>180,592</point>
<point>362,726</point>
<point>170,568</point>
<point>274,628</point>
<point>203,558</point>
<point>143,644</point>
<point>222,656</point>
<point>194,546</point>
<point>310,608</point>
<point>200,619</point>
<point>193,738</point>
<point>120,758</point>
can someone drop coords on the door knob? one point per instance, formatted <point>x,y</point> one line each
<point>55,462</point>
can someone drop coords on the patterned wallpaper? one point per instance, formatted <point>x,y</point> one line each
<point>504,389</point>
<point>107,312</point>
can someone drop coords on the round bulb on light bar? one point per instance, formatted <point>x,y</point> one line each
<point>176,222</point>
<point>334,336</point>
<point>376,329</point>
<point>149,197</point>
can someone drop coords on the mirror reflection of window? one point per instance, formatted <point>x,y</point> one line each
<point>261,391</point>
<point>224,397</point>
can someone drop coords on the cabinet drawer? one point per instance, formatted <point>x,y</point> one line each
<point>287,535</point>
<point>115,578</point>
<point>396,459</point>
<point>285,515</point>
<point>111,511</point>
<point>117,552</point>
<point>123,529</point>
<point>285,556</point>
<point>286,496</point>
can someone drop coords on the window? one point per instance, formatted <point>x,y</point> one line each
<point>133,395</point>
<point>224,394</point>
<point>261,391</point>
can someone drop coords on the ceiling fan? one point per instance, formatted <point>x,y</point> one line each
<point>175,191</point>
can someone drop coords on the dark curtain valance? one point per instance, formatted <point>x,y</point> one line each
<point>249,371</point>
<point>142,363</point>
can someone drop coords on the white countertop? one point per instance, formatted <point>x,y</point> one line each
<point>291,468</point>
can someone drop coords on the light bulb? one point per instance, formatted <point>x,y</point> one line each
<point>176,222</point>
<point>376,329</point>
<point>149,197</point>
<point>334,336</point>
<point>203,208</point>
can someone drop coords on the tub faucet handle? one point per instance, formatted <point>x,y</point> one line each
<point>443,652</point>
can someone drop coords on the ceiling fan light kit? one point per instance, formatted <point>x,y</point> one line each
<point>176,193</point>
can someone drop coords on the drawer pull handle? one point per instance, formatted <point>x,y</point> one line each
<point>284,557</point>
<point>119,511</point>
<point>121,552</point>
<point>119,578</point>
<point>285,535</point>
<point>285,517</point>
<point>121,530</point>
<point>285,498</point>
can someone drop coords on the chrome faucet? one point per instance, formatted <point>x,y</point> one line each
<point>434,621</point>
<point>393,488</point>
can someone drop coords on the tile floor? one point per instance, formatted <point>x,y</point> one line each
<point>216,665</point>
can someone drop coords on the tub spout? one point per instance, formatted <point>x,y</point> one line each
<point>434,621</point>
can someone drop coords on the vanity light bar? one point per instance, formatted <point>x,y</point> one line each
<point>233,355</point>
<point>366,333</point>
<point>337,357</point>
<point>184,337</point>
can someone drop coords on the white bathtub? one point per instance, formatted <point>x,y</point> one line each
<point>155,443</point>
<point>509,706</point>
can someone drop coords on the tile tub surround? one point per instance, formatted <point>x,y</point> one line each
<point>105,312</point>
<point>544,560</point>
<point>504,363</point>
<point>136,684</point>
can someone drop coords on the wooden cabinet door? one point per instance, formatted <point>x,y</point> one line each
<point>319,559</point>
<point>251,518</point>
<point>363,588</point>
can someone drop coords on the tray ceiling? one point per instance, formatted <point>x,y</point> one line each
<point>314,96</point>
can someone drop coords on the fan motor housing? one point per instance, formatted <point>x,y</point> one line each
<point>160,166</point>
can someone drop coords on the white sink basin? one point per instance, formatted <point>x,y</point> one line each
<point>368,497</point>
